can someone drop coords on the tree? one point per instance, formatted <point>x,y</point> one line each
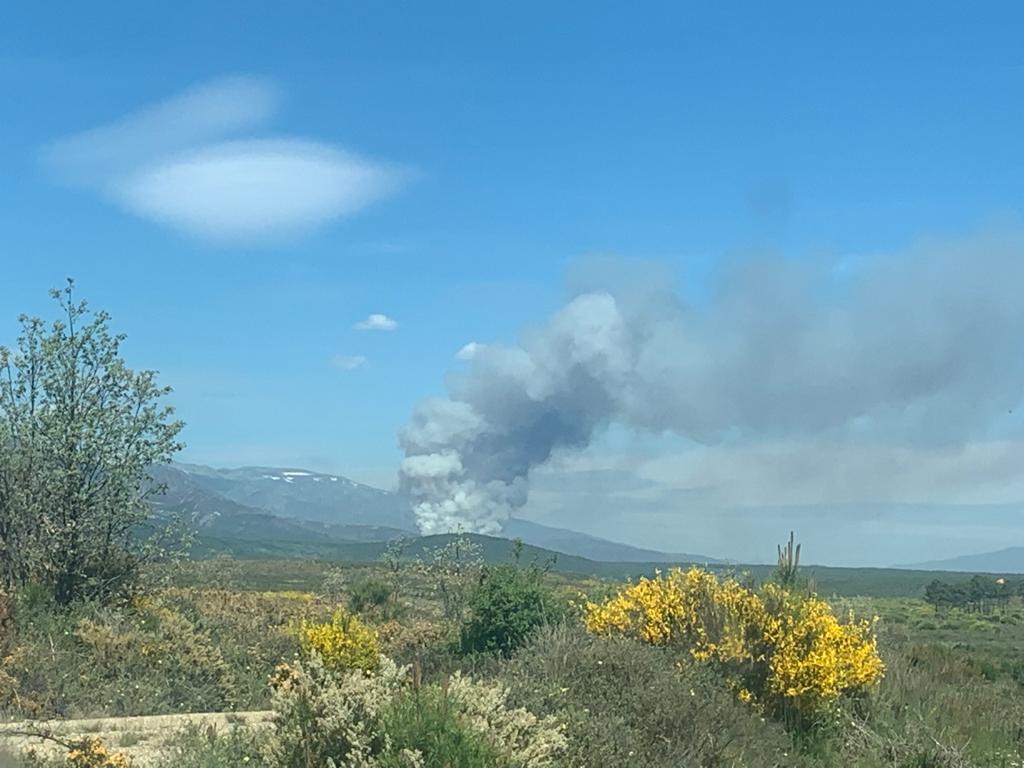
<point>941,595</point>
<point>78,431</point>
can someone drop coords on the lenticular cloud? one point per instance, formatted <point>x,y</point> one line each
<point>187,163</point>
<point>245,189</point>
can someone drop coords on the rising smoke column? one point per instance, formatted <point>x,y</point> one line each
<point>468,457</point>
<point>925,345</point>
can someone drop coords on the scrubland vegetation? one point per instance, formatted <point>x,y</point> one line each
<point>374,668</point>
<point>440,660</point>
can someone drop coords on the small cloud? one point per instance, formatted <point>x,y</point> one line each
<point>470,351</point>
<point>377,322</point>
<point>171,164</point>
<point>349,362</point>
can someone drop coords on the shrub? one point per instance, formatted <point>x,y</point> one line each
<point>156,650</point>
<point>935,709</point>
<point>424,729</point>
<point>334,583</point>
<point>252,630</point>
<point>626,703</point>
<point>342,643</point>
<point>788,654</point>
<point>506,606</point>
<point>369,594</point>
<point>523,738</point>
<point>146,658</point>
<point>91,752</point>
<point>453,569</point>
<point>381,720</point>
<point>326,717</point>
<point>409,640</point>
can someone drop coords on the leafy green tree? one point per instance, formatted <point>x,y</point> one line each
<point>78,430</point>
<point>942,595</point>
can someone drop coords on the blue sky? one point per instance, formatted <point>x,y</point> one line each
<point>508,140</point>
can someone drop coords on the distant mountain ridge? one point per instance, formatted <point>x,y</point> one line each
<point>220,516</point>
<point>305,495</point>
<point>1004,561</point>
<point>298,506</point>
<point>592,547</point>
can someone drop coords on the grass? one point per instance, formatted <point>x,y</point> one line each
<point>991,644</point>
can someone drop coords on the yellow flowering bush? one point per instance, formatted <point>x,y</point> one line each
<point>816,658</point>
<point>785,653</point>
<point>91,752</point>
<point>344,642</point>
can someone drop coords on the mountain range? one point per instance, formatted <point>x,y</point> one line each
<point>272,509</point>
<point>1004,561</point>
<point>292,512</point>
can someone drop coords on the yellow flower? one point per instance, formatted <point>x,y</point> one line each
<point>342,643</point>
<point>791,651</point>
<point>93,753</point>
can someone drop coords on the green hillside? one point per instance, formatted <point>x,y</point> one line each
<point>870,582</point>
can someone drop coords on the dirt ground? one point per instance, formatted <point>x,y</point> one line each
<point>141,738</point>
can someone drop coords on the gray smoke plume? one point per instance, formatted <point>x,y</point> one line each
<point>920,346</point>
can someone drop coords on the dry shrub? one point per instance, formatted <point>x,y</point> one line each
<point>382,720</point>
<point>142,659</point>
<point>252,630</point>
<point>522,737</point>
<point>330,719</point>
<point>628,704</point>
<point>405,640</point>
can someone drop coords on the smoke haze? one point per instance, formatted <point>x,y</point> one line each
<point>901,351</point>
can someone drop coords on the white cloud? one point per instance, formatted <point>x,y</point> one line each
<point>349,362</point>
<point>241,190</point>
<point>470,351</point>
<point>172,163</point>
<point>377,322</point>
